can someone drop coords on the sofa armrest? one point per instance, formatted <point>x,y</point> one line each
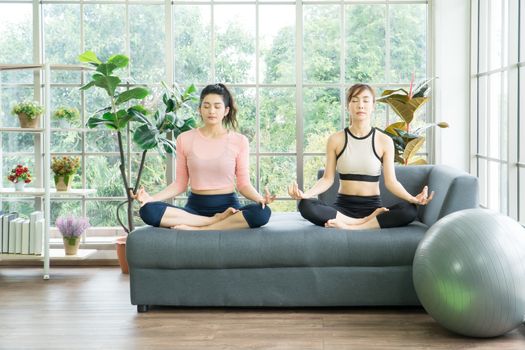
<point>454,190</point>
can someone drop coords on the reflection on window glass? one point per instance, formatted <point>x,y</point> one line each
<point>245,99</point>
<point>64,141</point>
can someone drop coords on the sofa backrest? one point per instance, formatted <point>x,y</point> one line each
<point>454,189</point>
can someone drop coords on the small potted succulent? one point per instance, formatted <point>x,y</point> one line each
<point>64,169</point>
<point>28,113</point>
<point>71,228</point>
<point>68,114</point>
<point>20,176</point>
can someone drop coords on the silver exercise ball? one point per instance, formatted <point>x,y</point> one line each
<point>469,273</point>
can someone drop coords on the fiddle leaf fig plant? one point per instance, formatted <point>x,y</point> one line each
<point>119,117</point>
<point>406,105</point>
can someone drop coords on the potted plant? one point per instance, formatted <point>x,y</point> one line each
<point>20,176</point>
<point>28,113</point>
<point>156,132</point>
<point>64,169</point>
<point>69,114</point>
<point>405,105</point>
<point>71,228</point>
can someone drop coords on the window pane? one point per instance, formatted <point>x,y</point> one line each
<point>483,182</point>
<point>277,173</point>
<point>322,117</point>
<point>496,121</point>
<point>66,141</point>
<point>16,33</point>
<point>8,98</point>
<point>103,213</point>
<point>101,140</point>
<point>147,58</point>
<point>103,174</point>
<point>153,176</point>
<point>365,43</point>
<point>277,119</point>
<point>495,35</point>
<point>64,208</point>
<point>284,205</point>
<point>277,43</point>
<point>245,99</point>
<point>23,206</point>
<point>18,142</point>
<point>521,101</point>
<point>521,199</point>
<point>235,43</point>
<point>408,33</point>
<point>483,112</point>
<point>322,43</point>
<point>11,161</point>
<point>483,36</point>
<point>192,33</point>
<point>68,98</point>
<point>311,165</point>
<point>61,33</point>
<point>99,20</point>
<point>497,190</point>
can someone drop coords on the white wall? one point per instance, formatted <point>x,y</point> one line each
<point>451,22</point>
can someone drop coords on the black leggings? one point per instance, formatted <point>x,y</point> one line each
<point>319,213</point>
<point>208,205</point>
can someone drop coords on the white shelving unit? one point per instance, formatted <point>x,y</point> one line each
<point>43,164</point>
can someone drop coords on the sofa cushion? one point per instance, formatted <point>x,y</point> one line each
<point>286,241</point>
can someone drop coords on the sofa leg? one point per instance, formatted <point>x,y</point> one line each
<point>142,308</point>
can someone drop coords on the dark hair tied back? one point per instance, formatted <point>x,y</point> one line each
<point>230,120</point>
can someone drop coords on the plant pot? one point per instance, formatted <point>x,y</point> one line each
<point>19,186</point>
<point>63,182</point>
<point>71,245</point>
<point>121,254</point>
<point>26,122</point>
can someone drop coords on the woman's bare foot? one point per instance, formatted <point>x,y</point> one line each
<point>336,223</point>
<point>186,227</point>
<point>221,216</point>
<point>376,213</point>
<point>358,221</point>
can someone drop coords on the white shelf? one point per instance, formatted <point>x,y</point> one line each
<point>54,254</point>
<point>31,191</point>
<point>18,129</point>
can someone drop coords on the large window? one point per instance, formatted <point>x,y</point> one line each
<point>288,63</point>
<point>498,109</point>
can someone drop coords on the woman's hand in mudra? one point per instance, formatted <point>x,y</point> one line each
<point>142,196</point>
<point>295,192</point>
<point>267,198</point>
<point>423,198</point>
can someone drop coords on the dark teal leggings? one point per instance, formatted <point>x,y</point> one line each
<point>208,205</point>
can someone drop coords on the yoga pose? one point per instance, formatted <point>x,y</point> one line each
<point>210,158</point>
<point>357,154</point>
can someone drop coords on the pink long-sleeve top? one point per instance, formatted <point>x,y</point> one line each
<point>211,163</point>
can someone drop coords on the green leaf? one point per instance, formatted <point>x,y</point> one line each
<point>145,137</point>
<point>120,61</point>
<point>138,114</point>
<point>88,85</point>
<point>106,68</point>
<point>108,83</point>
<point>136,93</point>
<point>89,57</point>
<point>412,148</point>
<point>94,122</point>
<point>170,105</point>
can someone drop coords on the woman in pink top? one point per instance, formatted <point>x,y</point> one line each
<point>210,159</point>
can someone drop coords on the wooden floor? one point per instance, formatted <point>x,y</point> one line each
<point>89,308</point>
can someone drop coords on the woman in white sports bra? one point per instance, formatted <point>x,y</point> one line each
<point>358,153</point>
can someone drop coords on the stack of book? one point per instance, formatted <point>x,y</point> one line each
<point>21,236</point>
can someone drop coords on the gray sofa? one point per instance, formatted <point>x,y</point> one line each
<point>291,262</point>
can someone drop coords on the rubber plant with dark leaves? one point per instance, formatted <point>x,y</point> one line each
<point>149,131</point>
<point>406,104</point>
